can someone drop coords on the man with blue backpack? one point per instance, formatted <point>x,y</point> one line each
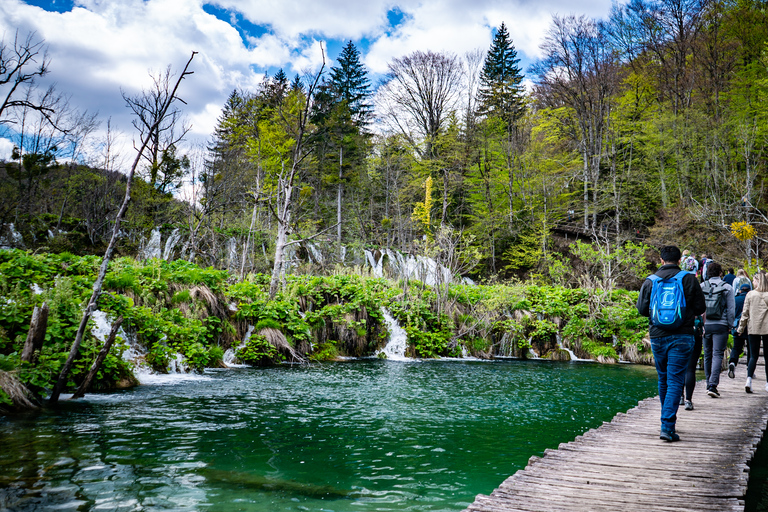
<point>671,298</point>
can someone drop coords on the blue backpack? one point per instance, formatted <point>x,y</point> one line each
<point>667,306</point>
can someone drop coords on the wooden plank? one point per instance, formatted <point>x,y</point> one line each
<point>623,465</point>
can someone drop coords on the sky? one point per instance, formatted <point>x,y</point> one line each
<point>99,48</point>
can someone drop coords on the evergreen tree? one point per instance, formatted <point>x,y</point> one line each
<point>296,84</point>
<point>500,80</point>
<point>349,81</point>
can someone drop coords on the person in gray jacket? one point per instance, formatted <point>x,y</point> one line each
<point>718,320</point>
<point>754,318</point>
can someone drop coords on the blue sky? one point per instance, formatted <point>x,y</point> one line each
<point>100,47</point>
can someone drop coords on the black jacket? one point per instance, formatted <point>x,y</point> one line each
<point>694,301</point>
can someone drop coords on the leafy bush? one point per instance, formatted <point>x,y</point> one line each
<point>258,352</point>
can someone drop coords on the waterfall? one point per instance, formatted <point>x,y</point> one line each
<point>398,341</point>
<point>170,244</point>
<point>153,248</point>
<point>376,266</point>
<point>418,267</point>
<point>230,359</point>
<point>177,365</point>
<point>14,238</point>
<point>574,357</point>
<point>232,258</point>
<point>314,253</point>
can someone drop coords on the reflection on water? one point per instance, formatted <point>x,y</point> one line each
<point>361,435</point>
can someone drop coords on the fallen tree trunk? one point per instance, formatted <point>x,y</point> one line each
<point>83,388</point>
<point>36,334</point>
<point>21,397</point>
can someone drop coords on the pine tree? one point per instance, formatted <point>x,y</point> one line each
<point>349,81</point>
<point>500,92</point>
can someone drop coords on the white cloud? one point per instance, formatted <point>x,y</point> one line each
<point>335,19</point>
<point>103,46</point>
<point>6,148</point>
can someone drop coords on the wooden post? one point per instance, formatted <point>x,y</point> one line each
<point>36,334</point>
<point>99,359</point>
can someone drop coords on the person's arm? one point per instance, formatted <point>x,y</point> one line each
<point>644,298</point>
<point>731,302</point>
<point>697,304</point>
<point>744,316</point>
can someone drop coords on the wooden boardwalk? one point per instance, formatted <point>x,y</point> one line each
<point>624,466</point>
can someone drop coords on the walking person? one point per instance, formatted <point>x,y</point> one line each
<point>754,318</point>
<point>671,298</point>
<point>693,362</point>
<point>739,340</point>
<point>742,278</point>
<point>718,321</point>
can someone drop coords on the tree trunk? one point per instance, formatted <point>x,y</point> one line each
<point>91,307</point>
<point>36,335</point>
<point>83,389</point>
<point>338,203</point>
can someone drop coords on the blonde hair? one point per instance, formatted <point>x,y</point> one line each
<point>742,273</point>
<point>762,282</point>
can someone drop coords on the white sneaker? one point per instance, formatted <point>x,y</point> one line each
<point>766,386</point>
<point>748,385</point>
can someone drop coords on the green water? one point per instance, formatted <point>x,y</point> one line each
<point>351,436</point>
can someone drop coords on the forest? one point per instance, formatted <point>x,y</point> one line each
<point>645,128</point>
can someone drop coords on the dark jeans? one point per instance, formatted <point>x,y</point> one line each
<point>690,372</point>
<point>754,351</point>
<point>715,339</point>
<point>738,346</point>
<point>671,354</point>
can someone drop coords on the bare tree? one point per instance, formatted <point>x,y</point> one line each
<point>580,72</point>
<point>21,63</point>
<point>296,125</point>
<point>421,92</point>
<point>92,302</point>
<point>164,131</point>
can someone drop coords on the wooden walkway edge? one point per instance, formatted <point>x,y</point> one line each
<point>624,466</point>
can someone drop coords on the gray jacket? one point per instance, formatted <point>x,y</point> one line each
<point>730,305</point>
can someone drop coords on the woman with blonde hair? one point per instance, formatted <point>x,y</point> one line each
<point>754,318</point>
<point>742,278</point>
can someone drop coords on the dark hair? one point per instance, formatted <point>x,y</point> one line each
<point>730,271</point>
<point>670,253</point>
<point>714,270</point>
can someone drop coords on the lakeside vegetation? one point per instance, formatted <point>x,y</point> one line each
<point>179,307</point>
<point>644,128</point>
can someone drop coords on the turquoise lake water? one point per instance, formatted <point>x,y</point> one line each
<point>347,436</point>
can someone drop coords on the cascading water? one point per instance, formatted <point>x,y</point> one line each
<point>230,359</point>
<point>315,254</point>
<point>398,341</point>
<point>418,267</point>
<point>14,238</point>
<point>232,256</point>
<point>154,247</point>
<point>170,244</point>
<point>574,357</point>
<point>376,266</point>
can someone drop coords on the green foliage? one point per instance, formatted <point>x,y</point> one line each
<point>5,399</point>
<point>258,352</point>
<point>428,344</point>
<point>325,352</point>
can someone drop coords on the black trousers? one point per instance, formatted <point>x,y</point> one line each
<point>738,346</point>
<point>693,361</point>
<point>754,351</point>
